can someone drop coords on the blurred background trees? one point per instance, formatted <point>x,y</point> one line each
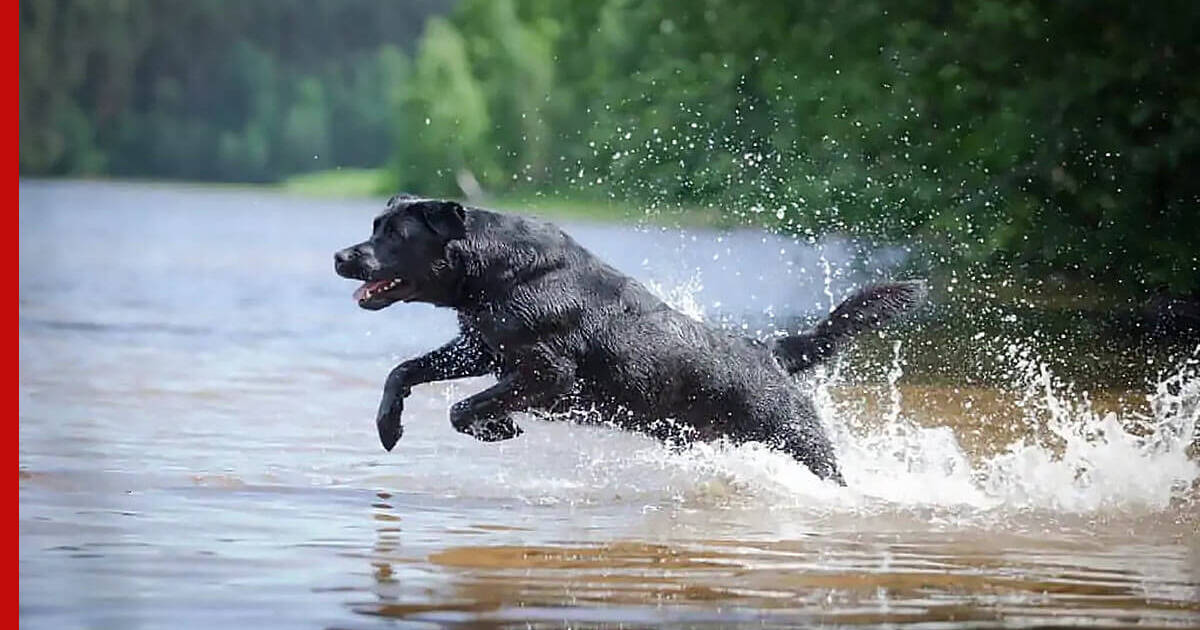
<point>208,89</point>
<point>1044,138</point>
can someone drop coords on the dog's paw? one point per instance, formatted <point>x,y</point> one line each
<point>496,430</point>
<point>388,422</point>
<point>390,431</point>
<point>388,418</point>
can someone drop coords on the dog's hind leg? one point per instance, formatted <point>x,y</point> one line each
<point>813,450</point>
<point>535,384</point>
<point>867,309</point>
<point>464,356</point>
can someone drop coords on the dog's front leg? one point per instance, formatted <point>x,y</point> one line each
<point>535,384</point>
<point>462,357</point>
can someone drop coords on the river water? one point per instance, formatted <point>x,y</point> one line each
<point>197,447</point>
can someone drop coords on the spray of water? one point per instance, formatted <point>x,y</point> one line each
<point>1080,459</point>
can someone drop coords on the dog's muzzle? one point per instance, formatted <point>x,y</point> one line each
<point>350,263</point>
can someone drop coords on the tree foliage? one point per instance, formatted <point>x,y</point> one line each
<point>206,89</point>
<point>1044,136</point>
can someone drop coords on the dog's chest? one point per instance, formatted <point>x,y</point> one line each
<point>501,328</point>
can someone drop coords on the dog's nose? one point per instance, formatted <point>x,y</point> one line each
<point>344,260</point>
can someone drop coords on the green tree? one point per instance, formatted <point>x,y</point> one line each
<point>443,117</point>
<point>210,89</point>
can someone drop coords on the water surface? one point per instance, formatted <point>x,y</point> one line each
<point>197,447</point>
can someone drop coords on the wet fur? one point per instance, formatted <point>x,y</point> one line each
<point>562,331</point>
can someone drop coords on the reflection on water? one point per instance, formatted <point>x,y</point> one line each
<point>829,579</point>
<point>196,448</point>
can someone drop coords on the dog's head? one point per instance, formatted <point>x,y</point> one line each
<point>405,258</point>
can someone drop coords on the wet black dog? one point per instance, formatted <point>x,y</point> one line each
<point>564,332</point>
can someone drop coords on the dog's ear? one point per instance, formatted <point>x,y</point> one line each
<point>447,218</point>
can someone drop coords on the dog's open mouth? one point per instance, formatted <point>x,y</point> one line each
<point>380,293</point>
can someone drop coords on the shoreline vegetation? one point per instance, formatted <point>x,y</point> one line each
<point>374,184</point>
<point>348,183</point>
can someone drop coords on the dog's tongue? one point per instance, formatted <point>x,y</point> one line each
<point>361,292</point>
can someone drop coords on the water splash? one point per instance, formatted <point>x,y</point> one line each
<point>1079,459</point>
<point>901,462</point>
<point>684,297</point>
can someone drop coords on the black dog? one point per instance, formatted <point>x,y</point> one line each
<point>564,332</point>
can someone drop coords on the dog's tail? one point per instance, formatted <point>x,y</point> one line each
<point>866,310</point>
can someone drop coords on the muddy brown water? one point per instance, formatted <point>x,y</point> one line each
<point>197,448</point>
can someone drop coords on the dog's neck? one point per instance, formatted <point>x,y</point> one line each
<point>496,256</point>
